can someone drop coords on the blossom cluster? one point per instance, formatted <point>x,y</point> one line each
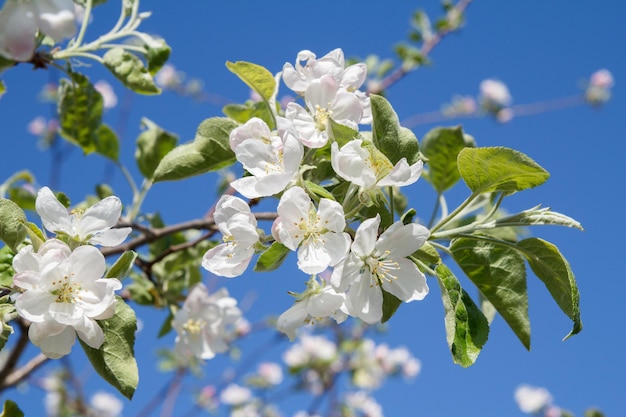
<point>357,266</point>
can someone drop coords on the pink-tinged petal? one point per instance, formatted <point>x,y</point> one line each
<point>366,300</point>
<point>224,261</point>
<point>34,305</point>
<point>53,251</point>
<point>354,76</point>
<point>402,240</point>
<point>244,234</point>
<point>17,36</point>
<point>304,124</point>
<point>366,236</point>
<point>254,128</point>
<point>28,280</point>
<point>228,206</point>
<point>321,92</point>
<point>331,215</point>
<point>55,340</point>
<point>56,18</point>
<point>347,108</point>
<point>90,332</point>
<point>111,237</point>
<point>26,260</point>
<point>101,216</point>
<point>54,215</point>
<point>409,283</point>
<point>291,319</point>
<point>402,174</point>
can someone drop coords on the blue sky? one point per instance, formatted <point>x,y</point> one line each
<point>541,50</point>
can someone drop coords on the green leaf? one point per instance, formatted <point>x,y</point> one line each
<point>389,137</point>
<point>255,76</point>
<point>6,267</point>
<point>157,54</point>
<point>121,268</point>
<point>391,303</point>
<point>166,327</point>
<point>3,88</point>
<point>500,274</point>
<point>210,151</point>
<point>7,313</point>
<point>80,112</point>
<point>241,113</point>
<point>318,190</point>
<point>467,328</point>
<point>535,216</point>
<point>11,409</point>
<point>442,146</point>
<point>35,234</point>
<point>115,360</point>
<point>152,145</point>
<point>130,71</point>
<point>272,258</point>
<point>428,254</point>
<point>341,134</point>
<point>12,220</point>
<point>552,268</point>
<point>107,143</point>
<point>499,169</point>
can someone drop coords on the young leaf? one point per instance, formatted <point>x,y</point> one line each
<point>272,258</point>
<point>130,71</point>
<point>10,409</point>
<point>107,143</point>
<point>536,216</point>
<point>255,76</point>
<point>318,190</point>
<point>442,146</point>
<point>7,313</point>
<point>553,269</point>
<point>388,136</point>
<point>152,145</point>
<point>501,169</point>
<point>428,254</point>
<point>341,134</point>
<point>12,220</point>
<point>391,303</point>
<point>209,151</point>
<point>241,113</point>
<point>121,268</point>
<point>467,328</point>
<point>157,54</point>
<point>115,360</point>
<point>500,274</point>
<point>80,112</point>
<point>6,267</point>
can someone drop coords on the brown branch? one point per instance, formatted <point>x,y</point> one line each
<point>425,50</point>
<point>20,374</point>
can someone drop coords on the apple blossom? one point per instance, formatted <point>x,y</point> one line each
<point>21,19</point>
<point>204,322</point>
<point>63,294</point>
<point>238,227</point>
<point>318,236</point>
<point>325,99</point>
<point>364,165</point>
<point>104,404</point>
<point>93,225</point>
<point>316,302</point>
<point>494,93</point>
<point>374,264</point>
<point>532,399</point>
<point>599,88</point>
<point>272,160</point>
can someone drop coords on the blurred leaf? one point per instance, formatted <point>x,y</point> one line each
<point>157,54</point>
<point>499,169</point>
<point>6,267</point>
<point>142,291</point>
<point>272,258</point>
<point>10,409</point>
<point>35,234</point>
<point>467,329</point>
<point>166,327</point>
<point>389,137</point>
<point>7,313</point>
<point>12,220</point>
<point>152,145</point>
<point>80,112</point>
<point>442,146</point>
<point>210,151</point>
<point>255,76</point>
<point>121,268</point>
<point>500,274</point>
<point>391,303</point>
<point>552,268</point>
<point>115,360</point>
<point>107,143</point>
<point>129,69</point>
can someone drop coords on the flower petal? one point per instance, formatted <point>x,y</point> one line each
<point>409,283</point>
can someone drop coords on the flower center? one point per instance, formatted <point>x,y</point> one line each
<point>321,117</point>
<point>383,269</point>
<point>194,327</point>
<point>66,291</point>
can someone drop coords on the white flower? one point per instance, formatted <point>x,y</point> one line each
<point>318,236</point>
<point>316,302</point>
<point>380,263</point>
<point>308,68</point>
<point>204,322</point>
<point>235,395</point>
<point>362,401</point>
<point>64,294</point>
<point>495,92</point>
<point>271,372</point>
<point>106,405</point>
<point>272,160</point>
<point>109,99</point>
<point>599,88</point>
<point>325,100</point>
<point>21,19</point>
<point>532,399</point>
<point>364,165</point>
<point>311,350</point>
<point>238,227</point>
<point>93,225</point>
